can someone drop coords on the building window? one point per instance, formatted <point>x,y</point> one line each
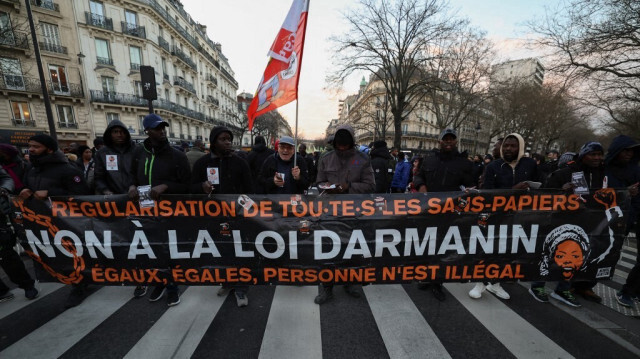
<point>12,73</point>
<point>112,116</point>
<point>21,114</point>
<point>59,80</point>
<point>108,87</point>
<point>103,52</point>
<point>405,129</point>
<point>65,117</point>
<point>51,37</point>
<point>137,88</point>
<point>131,18</point>
<point>166,95</point>
<point>135,55</point>
<point>140,126</point>
<point>96,7</point>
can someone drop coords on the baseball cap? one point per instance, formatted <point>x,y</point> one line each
<point>152,121</point>
<point>448,131</point>
<point>288,140</point>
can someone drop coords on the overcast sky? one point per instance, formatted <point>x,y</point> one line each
<point>247,28</point>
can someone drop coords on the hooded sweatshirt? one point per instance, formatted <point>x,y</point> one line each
<point>502,174</point>
<point>350,166</point>
<point>623,175</point>
<point>117,176</point>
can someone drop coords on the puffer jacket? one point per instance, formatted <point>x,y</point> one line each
<point>500,174</point>
<point>54,173</point>
<point>445,172</point>
<point>163,165</point>
<point>270,167</point>
<point>594,176</point>
<point>115,181</point>
<point>401,176</point>
<point>350,166</point>
<point>235,175</point>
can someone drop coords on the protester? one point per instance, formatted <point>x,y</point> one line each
<point>444,171</point>
<point>51,174</point>
<point>223,172</point>
<point>564,160</point>
<point>279,175</point>
<point>381,164</point>
<point>311,167</point>
<point>623,172</point>
<point>589,162</point>
<point>478,168</point>
<point>514,171</point>
<point>166,171</point>
<point>259,152</point>
<point>401,174</point>
<point>9,258</point>
<point>349,171</point>
<point>416,164</point>
<point>195,152</point>
<point>87,165</point>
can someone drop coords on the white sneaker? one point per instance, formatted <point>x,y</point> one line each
<point>476,292</point>
<point>498,291</point>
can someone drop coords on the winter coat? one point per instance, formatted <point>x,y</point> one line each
<point>117,180</point>
<point>54,173</point>
<point>193,155</point>
<point>500,174</point>
<point>255,159</point>
<point>594,176</point>
<point>234,173</point>
<point>623,176</point>
<point>88,172</point>
<point>351,167</point>
<point>17,169</point>
<point>275,164</point>
<point>382,171</point>
<point>164,165</point>
<point>445,172</point>
<point>401,175</point>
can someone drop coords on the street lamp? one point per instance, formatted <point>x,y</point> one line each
<point>475,146</point>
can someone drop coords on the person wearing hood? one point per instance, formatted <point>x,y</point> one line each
<point>51,174</point>
<point>113,160</point>
<point>589,162</point>
<point>166,170</point>
<point>279,175</point>
<point>622,171</point>
<point>223,172</point>
<point>514,171</point>
<point>350,172</point>
<point>259,153</point>
<point>380,162</point>
<point>445,170</point>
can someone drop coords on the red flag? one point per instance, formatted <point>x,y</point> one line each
<point>279,83</point>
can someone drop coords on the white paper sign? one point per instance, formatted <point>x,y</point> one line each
<point>213,175</point>
<point>112,162</point>
<point>144,192</point>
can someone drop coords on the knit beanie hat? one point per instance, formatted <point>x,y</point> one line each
<point>566,158</point>
<point>46,140</point>
<point>9,150</point>
<point>590,147</point>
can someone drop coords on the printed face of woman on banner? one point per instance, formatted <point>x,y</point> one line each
<point>569,257</point>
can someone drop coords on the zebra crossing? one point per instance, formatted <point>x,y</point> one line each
<point>388,321</point>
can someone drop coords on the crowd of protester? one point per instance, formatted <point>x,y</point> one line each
<point>117,165</point>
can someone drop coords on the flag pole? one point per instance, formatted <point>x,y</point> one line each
<point>295,138</point>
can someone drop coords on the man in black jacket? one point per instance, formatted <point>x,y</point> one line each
<point>223,172</point>
<point>259,152</point>
<point>113,168</point>
<point>166,170</point>
<point>279,175</point>
<point>51,174</point>
<point>445,171</point>
<point>312,171</point>
<point>380,162</point>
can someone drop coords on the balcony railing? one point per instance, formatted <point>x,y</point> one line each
<point>165,77</point>
<point>133,100</point>
<point>69,89</point>
<point>182,136</point>
<point>46,4</point>
<point>164,43</point>
<point>104,61</point>
<point>20,83</point>
<point>228,75</point>
<point>67,125</point>
<point>133,29</point>
<point>175,50</point>
<point>49,47</point>
<point>212,79</point>
<point>179,81</point>
<point>98,21</point>
<point>20,122</point>
<point>14,39</point>
<point>172,21</point>
<point>135,67</point>
<point>212,100</point>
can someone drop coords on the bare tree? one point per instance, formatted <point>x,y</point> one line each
<point>392,42</point>
<point>598,41</point>
<point>462,75</point>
